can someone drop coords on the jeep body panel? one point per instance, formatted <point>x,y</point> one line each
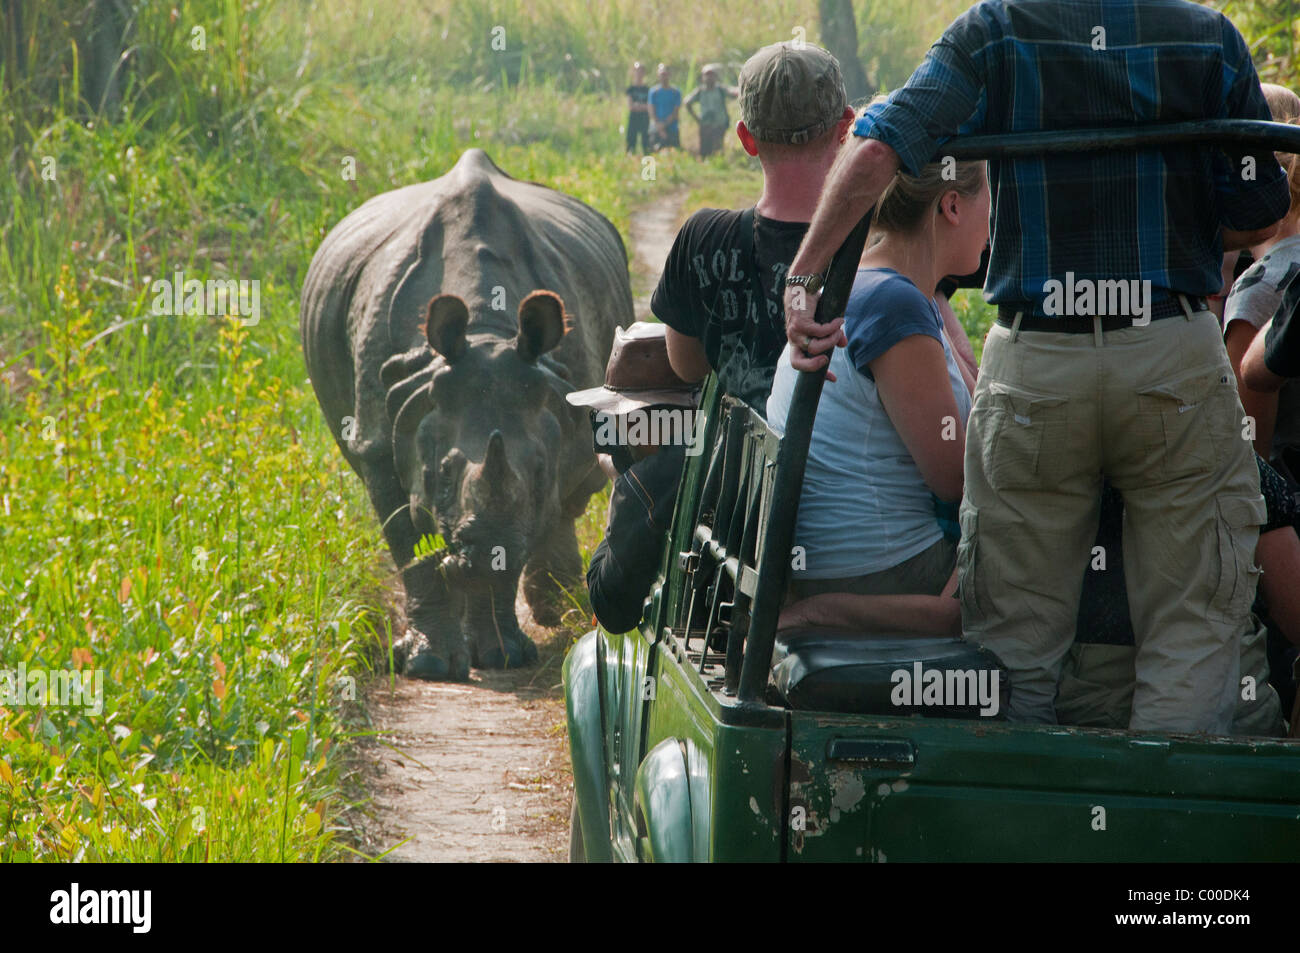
<point>926,789</point>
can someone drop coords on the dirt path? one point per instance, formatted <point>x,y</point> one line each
<point>472,772</point>
<point>480,771</point>
<point>652,230</point>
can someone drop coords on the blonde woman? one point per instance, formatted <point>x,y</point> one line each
<point>885,462</point>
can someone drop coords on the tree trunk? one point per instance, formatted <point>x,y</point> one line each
<point>13,54</point>
<point>101,47</point>
<point>840,36</point>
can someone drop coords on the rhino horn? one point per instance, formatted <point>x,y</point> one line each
<point>542,323</point>
<point>496,468</point>
<point>445,323</point>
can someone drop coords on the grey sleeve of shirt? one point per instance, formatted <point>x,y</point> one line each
<point>1252,299</point>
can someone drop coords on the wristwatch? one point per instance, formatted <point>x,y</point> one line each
<point>810,283</point>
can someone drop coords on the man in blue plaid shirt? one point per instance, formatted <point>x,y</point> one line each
<point>1105,359</point>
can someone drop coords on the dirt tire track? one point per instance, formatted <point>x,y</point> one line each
<point>475,771</point>
<point>652,230</point>
<point>479,771</point>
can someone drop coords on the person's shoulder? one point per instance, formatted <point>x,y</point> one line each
<point>1201,22</point>
<point>1270,276</point>
<point>1205,17</point>
<point>879,291</point>
<point>710,224</point>
<point>703,233</point>
<point>1281,265</point>
<point>883,308</point>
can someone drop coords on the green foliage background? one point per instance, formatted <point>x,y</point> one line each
<point>172,508</point>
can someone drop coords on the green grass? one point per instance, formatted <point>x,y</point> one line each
<point>976,316</point>
<point>173,512</point>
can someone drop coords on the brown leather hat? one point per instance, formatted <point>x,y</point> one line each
<point>638,374</point>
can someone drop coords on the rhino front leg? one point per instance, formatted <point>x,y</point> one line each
<point>433,646</point>
<point>555,568</point>
<point>491,628</point>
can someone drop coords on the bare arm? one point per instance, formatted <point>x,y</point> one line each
<point>607,467</point>
<point>860,173</point>
<point>1278,554</point>
<point>1235,241</point>
<point>1253,371</point>
<point>1218,299</point>
<point>901,614</point>
<point>686,355</point>
<point>689,101</point>
<point>1260,405</point>
<point>912,379</point>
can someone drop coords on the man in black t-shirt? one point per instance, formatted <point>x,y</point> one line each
<point>721,290</point>
<point>638,110</point>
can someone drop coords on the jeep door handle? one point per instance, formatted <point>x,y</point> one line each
<point>873,752</point>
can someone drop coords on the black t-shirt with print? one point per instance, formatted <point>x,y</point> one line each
<point>639,95</point>
<point>708,291</point>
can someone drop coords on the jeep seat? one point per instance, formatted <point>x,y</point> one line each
<point>839,670</point>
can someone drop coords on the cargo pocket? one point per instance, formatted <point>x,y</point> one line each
<point>1239,518</point>
<point>967,581</point>
<point>1185,421</point>
<point>1026,437</point>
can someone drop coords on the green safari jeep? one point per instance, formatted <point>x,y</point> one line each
<point>703,735</point>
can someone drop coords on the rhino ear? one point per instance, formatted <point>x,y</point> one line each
<point>445,324</point>
<point>542,323</point>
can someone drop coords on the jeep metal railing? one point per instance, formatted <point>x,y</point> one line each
<point>728,536</point>
<point>781,488</point>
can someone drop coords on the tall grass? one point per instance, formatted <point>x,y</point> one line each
<point>173,512</point>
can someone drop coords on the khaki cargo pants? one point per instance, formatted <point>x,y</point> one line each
<point>1155,409</point>
<point>1096,689</point>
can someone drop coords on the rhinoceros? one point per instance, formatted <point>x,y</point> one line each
<point>442,325</point>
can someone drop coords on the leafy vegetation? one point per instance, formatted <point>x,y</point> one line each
<point>173,512</point>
